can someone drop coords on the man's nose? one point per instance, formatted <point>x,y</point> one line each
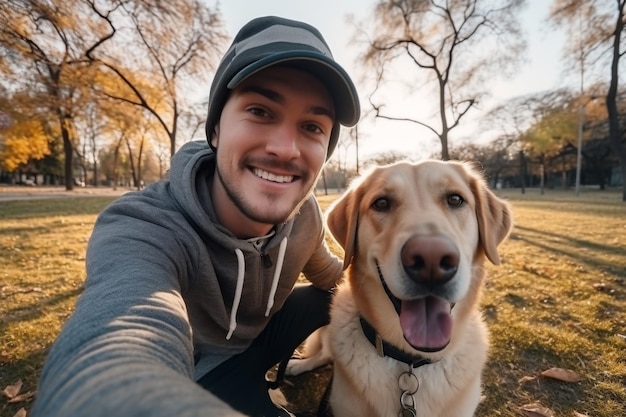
<point>284,142</point>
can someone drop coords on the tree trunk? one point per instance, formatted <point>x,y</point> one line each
<point>68,152</point>
<point>615,137</point>
<point>522,171</point>
<point>131,160</point>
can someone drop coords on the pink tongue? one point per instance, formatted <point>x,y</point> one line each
<point>426,323</point>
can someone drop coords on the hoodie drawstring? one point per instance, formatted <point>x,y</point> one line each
<point>279,267</point>
<point>241,270</point>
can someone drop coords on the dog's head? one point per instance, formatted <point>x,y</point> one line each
<point>415,238</point>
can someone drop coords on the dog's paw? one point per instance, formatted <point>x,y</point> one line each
<point>296,367</point>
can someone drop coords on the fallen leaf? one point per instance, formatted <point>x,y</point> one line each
<point>536,410</point>
<point>525,379</point>
<point>20,413</point>
<point>12,390</point>
<point>22,397</point>
<point>565,375</point>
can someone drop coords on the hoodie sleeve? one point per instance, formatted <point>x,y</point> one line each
<point>127,349</point>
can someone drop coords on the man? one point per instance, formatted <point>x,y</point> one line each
<point>189,297</point>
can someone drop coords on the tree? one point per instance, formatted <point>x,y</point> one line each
<point>597,43</point>
<point>453,47</point>
<point>545,126</point>
<point>44,44</point>
<point>173,44</point>
<point>51,46</point>
<point>94,125</point>
<point>495,158</point>
<point>130,126</point>
<point>22,142</point>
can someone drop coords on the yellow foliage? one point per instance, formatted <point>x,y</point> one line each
<point>24,141</point>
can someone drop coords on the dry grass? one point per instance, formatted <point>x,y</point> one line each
<point>557,300</point>
<point>42,253</point>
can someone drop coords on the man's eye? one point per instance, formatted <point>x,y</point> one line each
<point>381,204</point>
<point>313,128</point>
<point>455,200</point>
<point>258,111</point>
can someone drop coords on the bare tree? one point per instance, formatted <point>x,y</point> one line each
<point>598,42</point>
<point>173,43</point>
<point>448,48</point>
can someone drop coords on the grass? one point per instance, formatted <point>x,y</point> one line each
<point>42,253</point>
<point>557,300</point>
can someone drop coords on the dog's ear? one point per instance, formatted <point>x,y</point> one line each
<point>342,220</point>
<point>494,218</point>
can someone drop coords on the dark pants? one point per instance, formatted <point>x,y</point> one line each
<point>240,381</point>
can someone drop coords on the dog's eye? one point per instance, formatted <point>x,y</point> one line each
<point>455,200</point>
<point>381,204</point>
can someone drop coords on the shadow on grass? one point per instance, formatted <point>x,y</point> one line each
<point>18,231</point>
<point>23,209</point>
<point>36,309</point>
<point>10,375</point>
<point>578,249</point>
<point>28,368</point>
<point>574,242</point>
<point>34,230</point>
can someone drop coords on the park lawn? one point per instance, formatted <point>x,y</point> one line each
<point>556,301</point>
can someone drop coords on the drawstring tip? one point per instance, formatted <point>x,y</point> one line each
<point>230,334</point>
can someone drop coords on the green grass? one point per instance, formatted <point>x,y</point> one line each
<point>557,300</point>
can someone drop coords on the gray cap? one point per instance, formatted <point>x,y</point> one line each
<point>267,41</point>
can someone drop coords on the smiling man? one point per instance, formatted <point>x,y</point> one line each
<point>191,292</point>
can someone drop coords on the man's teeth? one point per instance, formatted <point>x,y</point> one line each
<point>272,177</point>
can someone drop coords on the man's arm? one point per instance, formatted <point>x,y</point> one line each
<point>127,349</point>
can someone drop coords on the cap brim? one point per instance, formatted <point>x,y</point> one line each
<point>338,82</point>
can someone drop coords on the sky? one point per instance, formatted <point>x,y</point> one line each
<point>542,71</point>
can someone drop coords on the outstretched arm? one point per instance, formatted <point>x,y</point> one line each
<point>127,349</point>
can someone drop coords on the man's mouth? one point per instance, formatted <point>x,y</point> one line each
<point>281,179</point>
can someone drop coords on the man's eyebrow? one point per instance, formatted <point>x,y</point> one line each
<point>265,92</point>
<point>278,98</point>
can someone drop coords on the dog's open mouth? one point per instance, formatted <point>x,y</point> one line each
<point>426,323</point>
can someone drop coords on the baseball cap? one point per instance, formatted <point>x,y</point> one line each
<point>266,41</point>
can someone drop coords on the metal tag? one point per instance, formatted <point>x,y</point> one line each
<point>408,412</point>
<point>407,403</point>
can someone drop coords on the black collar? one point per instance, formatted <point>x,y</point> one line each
<point>385,349</point>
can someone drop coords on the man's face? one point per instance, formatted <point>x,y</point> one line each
<point>271,140</point>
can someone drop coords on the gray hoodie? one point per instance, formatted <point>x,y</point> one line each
<point>169,295</point>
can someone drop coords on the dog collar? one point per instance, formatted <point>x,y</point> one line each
<point>386,349</point>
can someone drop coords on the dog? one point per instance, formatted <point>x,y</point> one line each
<point>406,335</point>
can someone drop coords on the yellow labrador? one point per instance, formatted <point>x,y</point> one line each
<point>406,335</point>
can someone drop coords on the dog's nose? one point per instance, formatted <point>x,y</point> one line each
<point>432,259</point>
